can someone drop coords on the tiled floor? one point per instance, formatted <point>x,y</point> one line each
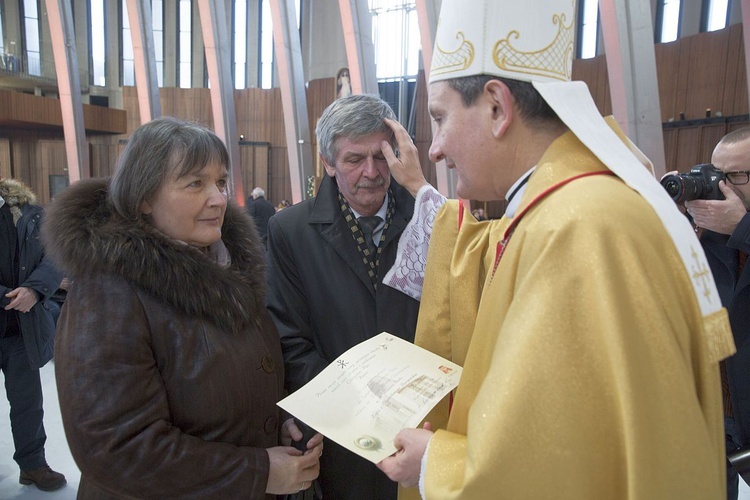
<point>58,454</point>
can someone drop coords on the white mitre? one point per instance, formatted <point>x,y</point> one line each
<point>532,41</point>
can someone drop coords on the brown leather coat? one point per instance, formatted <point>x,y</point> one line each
<point>168,366</point>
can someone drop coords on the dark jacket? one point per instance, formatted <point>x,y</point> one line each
<point>722,254</point>
<point>168,365</point>
<point>261,210</point>
<point>35,271</point>
<point>323,303</point>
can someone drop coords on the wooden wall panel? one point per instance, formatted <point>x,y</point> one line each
<point>281,186</point>
<point>5,162</point>
<point>670,148</point>
<point>703,71</point>
<point>707,60</point>
<point>711,134</point>
<point>53,162</point>
<point>688,148</point>
<point>103,159</point>
<point>255,167</point>
<point>667,71</point>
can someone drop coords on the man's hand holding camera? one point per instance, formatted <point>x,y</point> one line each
<point>720,216</point>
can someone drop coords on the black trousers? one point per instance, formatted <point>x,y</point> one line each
<point>23,387</point>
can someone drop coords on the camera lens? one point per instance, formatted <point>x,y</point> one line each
<point>673,188</point>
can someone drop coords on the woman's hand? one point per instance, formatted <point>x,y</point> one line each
<point>290,470</point>
<point>290,432</point>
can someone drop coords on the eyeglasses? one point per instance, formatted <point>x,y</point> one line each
<point>738,178</point>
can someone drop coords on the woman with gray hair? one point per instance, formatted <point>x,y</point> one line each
<point>168,366</point>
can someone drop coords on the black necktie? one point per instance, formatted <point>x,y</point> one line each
<point>367,225</point>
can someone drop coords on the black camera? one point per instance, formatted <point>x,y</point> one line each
<point>701,183</point>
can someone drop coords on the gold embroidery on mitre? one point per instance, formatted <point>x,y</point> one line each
<point>554,61</point>
<point>457,60</point>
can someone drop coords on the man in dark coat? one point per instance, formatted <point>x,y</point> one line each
<point>261,210</point>
<point>726,240</point>
<point>27,281</point>
<point>327,258</point>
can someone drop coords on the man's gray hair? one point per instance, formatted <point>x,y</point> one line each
<point>157,151</point>
<point>354,116</point>
<point>258,192</point>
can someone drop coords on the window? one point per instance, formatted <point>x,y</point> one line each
<point>185,42</point>
<point>97,52</point>
<point>395,34</point>
<point>266,42</point>
<point>717,16</point>
<point>588,29</point>
<point>31,37</point>
<point>668,20</point>
<point>2,40</point>
<point>266,46</point>
<point>157,24</point>
<point>239,41</point>
<point>128,61</point>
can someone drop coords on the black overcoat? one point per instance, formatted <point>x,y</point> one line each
<point>722,254</point>
<point>323,303</point>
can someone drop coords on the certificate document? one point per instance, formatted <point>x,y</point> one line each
<point>371,392</point>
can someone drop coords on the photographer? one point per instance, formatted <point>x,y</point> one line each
<point>725,237</point>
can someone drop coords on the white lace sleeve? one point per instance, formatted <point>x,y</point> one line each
<point>407,273</point>
<point>423,470</point>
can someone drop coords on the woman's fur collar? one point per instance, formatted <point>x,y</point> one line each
<point>84,236</point>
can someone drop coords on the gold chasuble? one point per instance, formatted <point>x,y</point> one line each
<point>589,370</point>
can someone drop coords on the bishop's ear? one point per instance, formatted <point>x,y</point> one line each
<point>500,99</point>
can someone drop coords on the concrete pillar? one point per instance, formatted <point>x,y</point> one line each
<point>293,98</point>
<point>631,66</point>
<point>216,40</point>
<point>428,12</point>
<point>360,52</point>
<point>66,67</point>
<point>139,15</point>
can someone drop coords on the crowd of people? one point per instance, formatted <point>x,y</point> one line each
<point>597,362</point>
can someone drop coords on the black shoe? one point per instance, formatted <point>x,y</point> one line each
<point>44,478</point>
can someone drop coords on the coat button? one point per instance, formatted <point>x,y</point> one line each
<point>267,363</point>
<point>270,425</point>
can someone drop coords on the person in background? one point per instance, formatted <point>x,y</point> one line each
<point>327,259</point>
<point>260,209</point>
<point>27,328</point>
<point>169,366</point>
<point>724,227</point>
<point>282,205</point>
<point>590,349</point>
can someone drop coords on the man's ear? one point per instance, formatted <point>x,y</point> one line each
<point>498,96</point>
<point>329,169</point>
<point>146,208</point>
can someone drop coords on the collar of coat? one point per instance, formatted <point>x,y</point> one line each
<point>85,237</point>
<point>327,209</point>
<point>16,193</point>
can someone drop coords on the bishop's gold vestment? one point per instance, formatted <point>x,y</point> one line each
<point>589,371</point>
